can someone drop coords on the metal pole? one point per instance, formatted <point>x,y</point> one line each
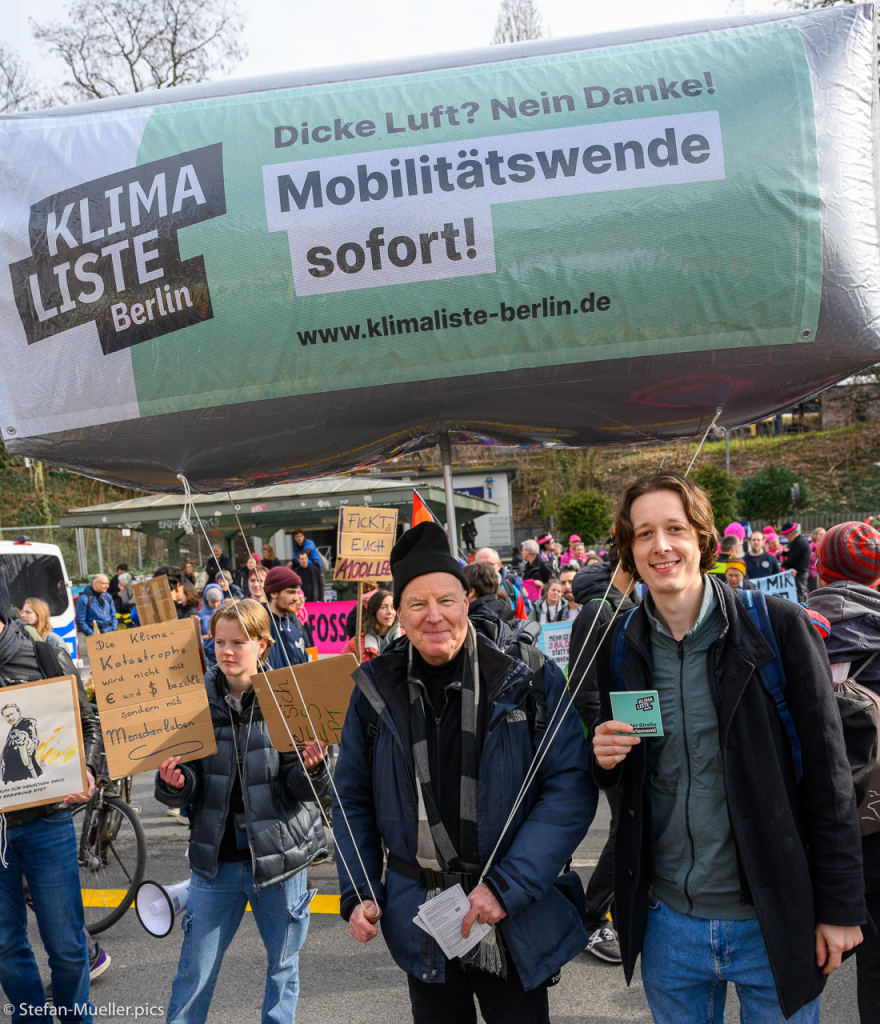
<point>446,462</point>
<point>140,553</point>
<point>727,450</point>
<point>81,551</point>
<point>100,552</point>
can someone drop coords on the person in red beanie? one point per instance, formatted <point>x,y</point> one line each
<point>848,572</point>
<point>281,587</point>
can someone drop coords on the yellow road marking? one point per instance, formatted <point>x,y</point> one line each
<point>113,897</point>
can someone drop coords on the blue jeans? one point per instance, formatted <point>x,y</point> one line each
<point>688,961</point>
<point>44,851</point>
<point>213,913</point>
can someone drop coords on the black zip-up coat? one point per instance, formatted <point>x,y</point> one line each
<point>283,822</point>
<point>798,846</point>
<point>18,664</point>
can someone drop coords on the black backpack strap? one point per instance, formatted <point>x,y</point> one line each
<point>538,701</point>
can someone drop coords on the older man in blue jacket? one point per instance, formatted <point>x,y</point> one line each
<point>441,732</point>
<point>95,610</point>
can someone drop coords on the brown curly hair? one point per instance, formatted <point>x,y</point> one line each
<point>697,507</point>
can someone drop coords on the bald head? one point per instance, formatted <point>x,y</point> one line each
<point>489,555</point>
<point>100,583</point>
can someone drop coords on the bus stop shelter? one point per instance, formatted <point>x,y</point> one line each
<point>311,505</point>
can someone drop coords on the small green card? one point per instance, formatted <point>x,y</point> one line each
<point>641,709</point>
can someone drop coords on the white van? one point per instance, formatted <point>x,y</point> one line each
<point>38,570</point>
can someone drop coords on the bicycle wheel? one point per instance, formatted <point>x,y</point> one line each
<point>112,853</point>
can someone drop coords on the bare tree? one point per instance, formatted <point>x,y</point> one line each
<point>518,20</point>
<point>123,46</point>
<point>18,90</point>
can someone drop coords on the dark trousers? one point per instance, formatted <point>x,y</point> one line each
<point>501,1001</point>
<point>600,888</point>
<point>868,961</point>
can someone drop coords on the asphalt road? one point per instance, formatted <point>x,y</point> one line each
<point>343,982</point>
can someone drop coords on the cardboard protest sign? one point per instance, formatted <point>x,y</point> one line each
<point>326,690</point>
<point>554,640</point>
<point>366,537</point>
<point>42,760</point>
<point>782,584</point>
<point>327,619</point>
<point>151,696</point>
<point>154,601</point>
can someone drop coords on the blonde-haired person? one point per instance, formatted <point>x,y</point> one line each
<point>255,828</point>
<point>35,612</point>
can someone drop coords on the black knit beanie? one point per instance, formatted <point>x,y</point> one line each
<point>423,549</point>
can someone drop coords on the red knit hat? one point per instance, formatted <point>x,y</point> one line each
<point>280,578</point>
<point>850,551</point>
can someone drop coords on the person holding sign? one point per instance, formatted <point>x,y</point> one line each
<point>381,627</point>
<point>726,867</point>
<point>39,844</point>
<point>423,774</point>
<point>255,828</point>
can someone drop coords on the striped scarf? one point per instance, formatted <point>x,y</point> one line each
<point>435,849</point>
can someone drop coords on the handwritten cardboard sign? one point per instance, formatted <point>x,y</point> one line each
<point>151,696</point>
<point>154,601</point>
<point>781,584</point>
<point>366,537</point>
<point>42,759</point>
<point>554,640</point>
<point>326,687</point>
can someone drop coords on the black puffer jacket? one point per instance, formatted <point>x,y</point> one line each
<point>283,823</point>
<point>18,664</point>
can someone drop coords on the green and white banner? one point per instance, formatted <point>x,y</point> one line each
<point>661,197</point>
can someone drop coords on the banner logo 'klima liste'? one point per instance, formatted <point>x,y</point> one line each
<point>107,251</point>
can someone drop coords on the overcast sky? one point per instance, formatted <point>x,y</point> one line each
<point>294,34</point>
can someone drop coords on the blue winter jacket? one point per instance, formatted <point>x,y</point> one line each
<point>309,547</point>
<point>543,930</point>
<point>95,613</point>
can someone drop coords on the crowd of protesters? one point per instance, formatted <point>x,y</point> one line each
<point>710,827</point>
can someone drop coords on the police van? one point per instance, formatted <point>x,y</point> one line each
<point>38,570</point>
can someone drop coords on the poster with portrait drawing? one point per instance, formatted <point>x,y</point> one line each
<point>41,744</point>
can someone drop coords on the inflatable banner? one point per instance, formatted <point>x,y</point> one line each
<point>563,243</point>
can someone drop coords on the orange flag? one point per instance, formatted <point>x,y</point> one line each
<point>421,513</point>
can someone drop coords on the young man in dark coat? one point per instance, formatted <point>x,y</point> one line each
<point>311,576</point>
<point>726,868</point>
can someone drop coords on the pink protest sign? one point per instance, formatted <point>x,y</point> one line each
<point>327,619</point>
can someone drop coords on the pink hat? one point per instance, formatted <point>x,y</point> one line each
<point>768,530</point>
<point>546,538</point>
<point>735,530</point>
<point>574,539</point>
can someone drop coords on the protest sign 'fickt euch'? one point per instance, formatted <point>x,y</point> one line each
<point>366,537</point>
<point>151,696</point>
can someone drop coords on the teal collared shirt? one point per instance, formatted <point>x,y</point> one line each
<point>695,863</point>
